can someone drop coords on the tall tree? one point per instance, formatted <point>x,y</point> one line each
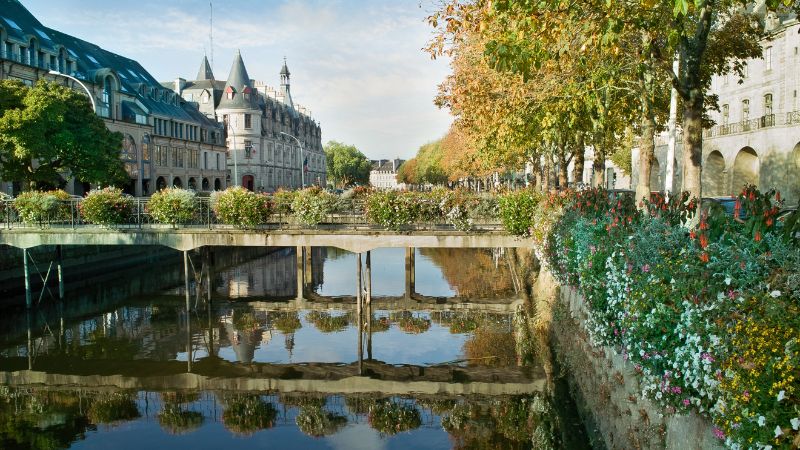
<point>346,164</point>
<point>49,133</point>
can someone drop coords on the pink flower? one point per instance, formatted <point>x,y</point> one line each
<point>719,434</point>
<point>686,402</point>
<point>646,268</point>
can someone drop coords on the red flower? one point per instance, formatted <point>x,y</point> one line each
<point>692,235</point>
<point>703,241</point>
<point>778,196</point>
<point>704,257</point>
<point>758,236</point>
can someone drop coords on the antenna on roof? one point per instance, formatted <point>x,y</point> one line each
<point>211,31</point>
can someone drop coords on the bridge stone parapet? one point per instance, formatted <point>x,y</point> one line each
<point>184,239</point>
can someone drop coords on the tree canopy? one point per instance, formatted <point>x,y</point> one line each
<point>536,80</point>
<point>346,165</point>
<point>49,132</point>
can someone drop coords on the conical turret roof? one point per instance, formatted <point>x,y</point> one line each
<point>238,84</point>
<point>205,72</point>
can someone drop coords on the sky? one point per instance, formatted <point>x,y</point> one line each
<point>356,65</point>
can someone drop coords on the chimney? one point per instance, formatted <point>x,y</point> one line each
<point>180,83</point>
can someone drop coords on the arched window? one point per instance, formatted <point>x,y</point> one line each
<point>108,97</point>
<point>32,52</point>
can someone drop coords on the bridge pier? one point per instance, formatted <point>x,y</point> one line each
<point>60,270</point>
<point>28,295</point>
<point>186,277</point>
<point>358,315</point>
<point>299,258</point>
<point>369,278</point>
<point>410,273</point>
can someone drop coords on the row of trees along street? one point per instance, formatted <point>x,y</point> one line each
<point>537,82</point>
<point>48,131</point>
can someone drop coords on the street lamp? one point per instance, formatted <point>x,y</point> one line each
<point>302,166</point>
<point>91,97</point>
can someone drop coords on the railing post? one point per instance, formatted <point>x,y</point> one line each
<point>369,278</point>
<point>208,212</point>
<point>139,212</point>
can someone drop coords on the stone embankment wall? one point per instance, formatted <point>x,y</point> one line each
<point>606,387</point>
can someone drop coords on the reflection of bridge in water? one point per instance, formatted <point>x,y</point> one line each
<point>217,374</point>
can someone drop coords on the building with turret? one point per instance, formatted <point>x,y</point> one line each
<point>272,142</point>
<point>166,141</point>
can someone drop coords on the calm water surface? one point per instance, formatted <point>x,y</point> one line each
<point>246,364</point>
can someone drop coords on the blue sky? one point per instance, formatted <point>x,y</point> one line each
<point>357,65</point>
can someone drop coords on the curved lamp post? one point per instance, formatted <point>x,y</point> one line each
<point>91,97</point>
<point>302,167</point>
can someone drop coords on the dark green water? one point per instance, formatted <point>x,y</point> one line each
<point>248,365</point>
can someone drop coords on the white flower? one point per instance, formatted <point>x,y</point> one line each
<point>728,281</point>
<point>775,294</point>
<point>778,431</point>
<point>762,421</point>
<point>781,395</point>
<point>795,423</point>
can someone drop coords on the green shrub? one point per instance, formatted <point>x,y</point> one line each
<point>173,206</point>
<point>108,206</point>
<point>239,207</point>
<point>392,417</point>
<point>247,414</point>
<point>391,209</point>
<point>517,210</point>
<point>40,207</point>
<point>311,205</point>
<point>316,422</point>
<point>283,201</point>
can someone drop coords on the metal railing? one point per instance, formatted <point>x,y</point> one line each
<point>345,214</point>
<point>746,126</point>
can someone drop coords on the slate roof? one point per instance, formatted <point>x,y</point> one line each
<point>244,96</point>
<point>205,72</point>
<point>94,63</point>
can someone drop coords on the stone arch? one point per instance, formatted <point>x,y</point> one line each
<point>161,183</point>
<point>217,184</point>
<point>206,185</point>
<point>655,176</point>
<point>714,174</point>
<point>193,183</point>
<point>796,158</point>
<point>746,168</point>
<point>177,182</point>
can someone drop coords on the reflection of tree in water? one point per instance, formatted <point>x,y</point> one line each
<point>41,420</point>
<point>317,422</point>
<point>327,323</point>
<point>509,423</point>
<point>392,417</point>
<point>490,347</point>
<point>113,407</point>
<point>246,414</point>
<point>175,417</point>
<point>245,321</point>
<point>99,346</point>
<point>410,323</point>
<point>471,273</point>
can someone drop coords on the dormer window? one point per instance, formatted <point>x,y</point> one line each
<point>230,92</point>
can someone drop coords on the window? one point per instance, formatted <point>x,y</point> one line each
<point>248,148</point>
<point>204,98</point>
<point>726,110</point>
<point>248,121</point>
<point>745,71</point>
<point>205,160</point>
<point>745,110</point>
<point>768,58</point>
<point>217,161</point>
<point>768,105</point>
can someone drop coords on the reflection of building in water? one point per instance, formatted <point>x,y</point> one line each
<point>473,273</point>
<point>274,275</point>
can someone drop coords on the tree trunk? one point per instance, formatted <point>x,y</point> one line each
<point>646,146</point>
<point>546,174</point>
<point>577,173</point>
<point>693,143</point>
<point>563,172</point>
<point>599,166</point>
